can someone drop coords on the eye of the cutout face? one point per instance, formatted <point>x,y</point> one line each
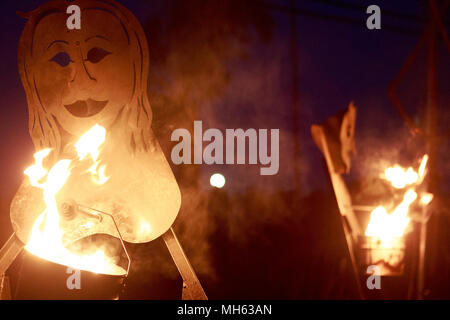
<point>96,54</point>
<point>61,58</point>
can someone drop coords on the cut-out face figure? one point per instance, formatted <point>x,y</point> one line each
<point>75,79</point>
<point>339,131</point>
<point>83,77</point>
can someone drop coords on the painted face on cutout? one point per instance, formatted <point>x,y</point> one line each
<point>82,77</point>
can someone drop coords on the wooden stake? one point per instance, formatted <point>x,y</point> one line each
<point>192,289</point>
<point>8,253</point>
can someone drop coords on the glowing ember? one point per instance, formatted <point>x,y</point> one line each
<point>46,240</point>
<point>388,226</point>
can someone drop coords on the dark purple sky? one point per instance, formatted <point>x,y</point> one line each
<point>338,62</point>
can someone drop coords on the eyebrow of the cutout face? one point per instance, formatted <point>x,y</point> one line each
<point>97,36</point>
<point>57,41</point>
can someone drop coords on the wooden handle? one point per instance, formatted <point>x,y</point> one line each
<point>192,289</point>
<point>5,290</point>
<point>9,252</point>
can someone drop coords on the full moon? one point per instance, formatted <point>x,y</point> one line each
<point>217,180</point>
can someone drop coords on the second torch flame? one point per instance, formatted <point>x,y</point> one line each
<point>388,226</point>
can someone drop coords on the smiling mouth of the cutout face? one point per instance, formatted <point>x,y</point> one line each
<point>86,108</point>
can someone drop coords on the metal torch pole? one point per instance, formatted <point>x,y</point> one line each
<point>430,125</point>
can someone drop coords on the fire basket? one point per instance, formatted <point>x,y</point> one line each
<point>389,258</point>
<point>42,279</point>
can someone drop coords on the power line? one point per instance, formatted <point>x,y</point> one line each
<point>359,7</point>
<point>335,18</point>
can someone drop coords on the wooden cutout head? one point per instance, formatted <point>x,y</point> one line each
<point>74,79</point>
<point>339,131</point>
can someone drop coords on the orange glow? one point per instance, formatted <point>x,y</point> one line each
<point>46,240</point>
<point>144,228</point>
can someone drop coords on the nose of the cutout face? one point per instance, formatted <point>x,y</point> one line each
<point>81,83</point>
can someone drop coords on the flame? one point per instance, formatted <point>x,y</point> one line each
<point>423,166</point>
<point>400,178</point>
<point>89,144</point>
<point>36,172</point>
<point>46,239</point>
<point>388,226</point>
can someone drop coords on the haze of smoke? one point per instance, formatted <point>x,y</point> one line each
<point>376,151</point>
<point>189,55</point>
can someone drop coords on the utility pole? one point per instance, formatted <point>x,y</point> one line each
<point>430,136</point>
<point>295,96</point>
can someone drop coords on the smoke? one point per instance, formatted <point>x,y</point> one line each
<point>380,147</point>
<point>191,50</point>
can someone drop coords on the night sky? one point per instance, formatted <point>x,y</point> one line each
<point>339,60</point>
